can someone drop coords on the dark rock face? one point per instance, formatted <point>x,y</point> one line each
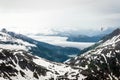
<point>11,59</point>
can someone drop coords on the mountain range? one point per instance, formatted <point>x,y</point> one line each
<point>85,38</point>
<point>82,36</point>
<point>44,50</point>
<point>17,60</point>
<point>100,62</point>
<point>95,37</point>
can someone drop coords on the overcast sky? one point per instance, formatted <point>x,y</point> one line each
<point>44,16</point>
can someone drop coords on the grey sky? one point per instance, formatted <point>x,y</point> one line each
<point>40,16</point>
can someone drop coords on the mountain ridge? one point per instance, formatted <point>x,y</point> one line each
<point>101,62</point>
<point>42,49</point>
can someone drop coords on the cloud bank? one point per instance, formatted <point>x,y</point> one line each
<point>41,16</point>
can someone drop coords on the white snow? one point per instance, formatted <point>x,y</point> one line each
<point>111,41</point>
<point>13,47</point>
<point>109,54</point>
<point>4,37</point>
<point>53,66</point>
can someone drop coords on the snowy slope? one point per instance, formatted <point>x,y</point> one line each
<point>20,64</point>
<point>102,62</point>
<point>9,42</point>
<point>17,62</point>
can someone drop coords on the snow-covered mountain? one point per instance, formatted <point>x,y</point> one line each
<point>13,40</point>
<point>101,62</point>
<point>20,64</point>
<point>10,42</point>
<point>17,62</point>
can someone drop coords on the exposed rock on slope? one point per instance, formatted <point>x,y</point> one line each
<point>102,62</point>
<point>19,64</point>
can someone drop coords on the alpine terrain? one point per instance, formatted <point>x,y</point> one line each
<point>17,62</point>
<point>41,49</point>
<point>103,61</point>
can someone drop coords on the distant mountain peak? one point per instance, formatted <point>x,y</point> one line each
<point>4,30</point>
